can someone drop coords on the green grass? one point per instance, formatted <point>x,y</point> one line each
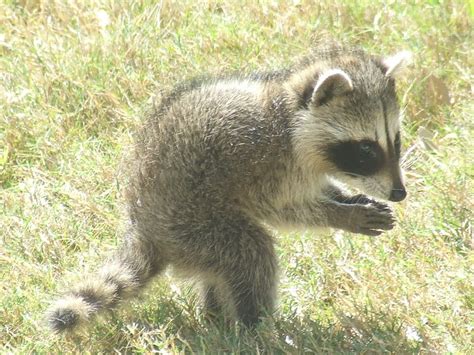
<point>75,78</point>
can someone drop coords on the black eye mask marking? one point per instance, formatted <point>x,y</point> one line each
<point>363,157</point>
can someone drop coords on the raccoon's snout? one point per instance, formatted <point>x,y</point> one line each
<point>397,195</point>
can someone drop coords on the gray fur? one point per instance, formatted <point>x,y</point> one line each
<point>218,160</point>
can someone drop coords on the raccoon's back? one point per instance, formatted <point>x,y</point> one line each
<point>210,145</point>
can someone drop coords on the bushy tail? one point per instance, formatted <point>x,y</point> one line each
<point>118,279</point>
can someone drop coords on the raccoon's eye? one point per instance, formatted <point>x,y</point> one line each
<point>367,151</point>
<point>356,158</point>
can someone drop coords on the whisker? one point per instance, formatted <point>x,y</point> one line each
<point>408,152</point>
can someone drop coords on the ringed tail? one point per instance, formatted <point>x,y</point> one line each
<point>117,280</point>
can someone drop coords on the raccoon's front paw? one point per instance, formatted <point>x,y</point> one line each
<point>371,219</point>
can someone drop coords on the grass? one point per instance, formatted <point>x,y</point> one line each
<point>75,77</point>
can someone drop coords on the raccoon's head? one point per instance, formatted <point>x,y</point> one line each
<point>352,122</point>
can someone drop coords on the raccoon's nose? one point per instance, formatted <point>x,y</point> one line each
<point>398,195</point>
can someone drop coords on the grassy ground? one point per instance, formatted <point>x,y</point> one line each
<point>74,79</point>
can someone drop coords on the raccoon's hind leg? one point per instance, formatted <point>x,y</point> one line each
<point>129,270</point>
<point>211,301</point>
<point>247,267</point>
<point>252,291</point>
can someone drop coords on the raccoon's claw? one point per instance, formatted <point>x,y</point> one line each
<point>370,232</point>
<point>365,200</point>
<point>372,219</point>
<point>358,200</point>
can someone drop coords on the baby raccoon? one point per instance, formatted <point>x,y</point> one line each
<point>220,159</point>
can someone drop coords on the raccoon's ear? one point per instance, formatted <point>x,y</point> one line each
<point>392,66</point>
<point>331,84</point>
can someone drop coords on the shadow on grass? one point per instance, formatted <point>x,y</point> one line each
<point>175,326</point>
<point>377,334</point>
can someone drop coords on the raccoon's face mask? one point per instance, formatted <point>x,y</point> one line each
<point>367,166</point>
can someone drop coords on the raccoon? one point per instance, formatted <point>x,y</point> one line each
<point>219,161</point>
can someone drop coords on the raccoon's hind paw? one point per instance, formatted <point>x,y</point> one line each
<point>67,313</point>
